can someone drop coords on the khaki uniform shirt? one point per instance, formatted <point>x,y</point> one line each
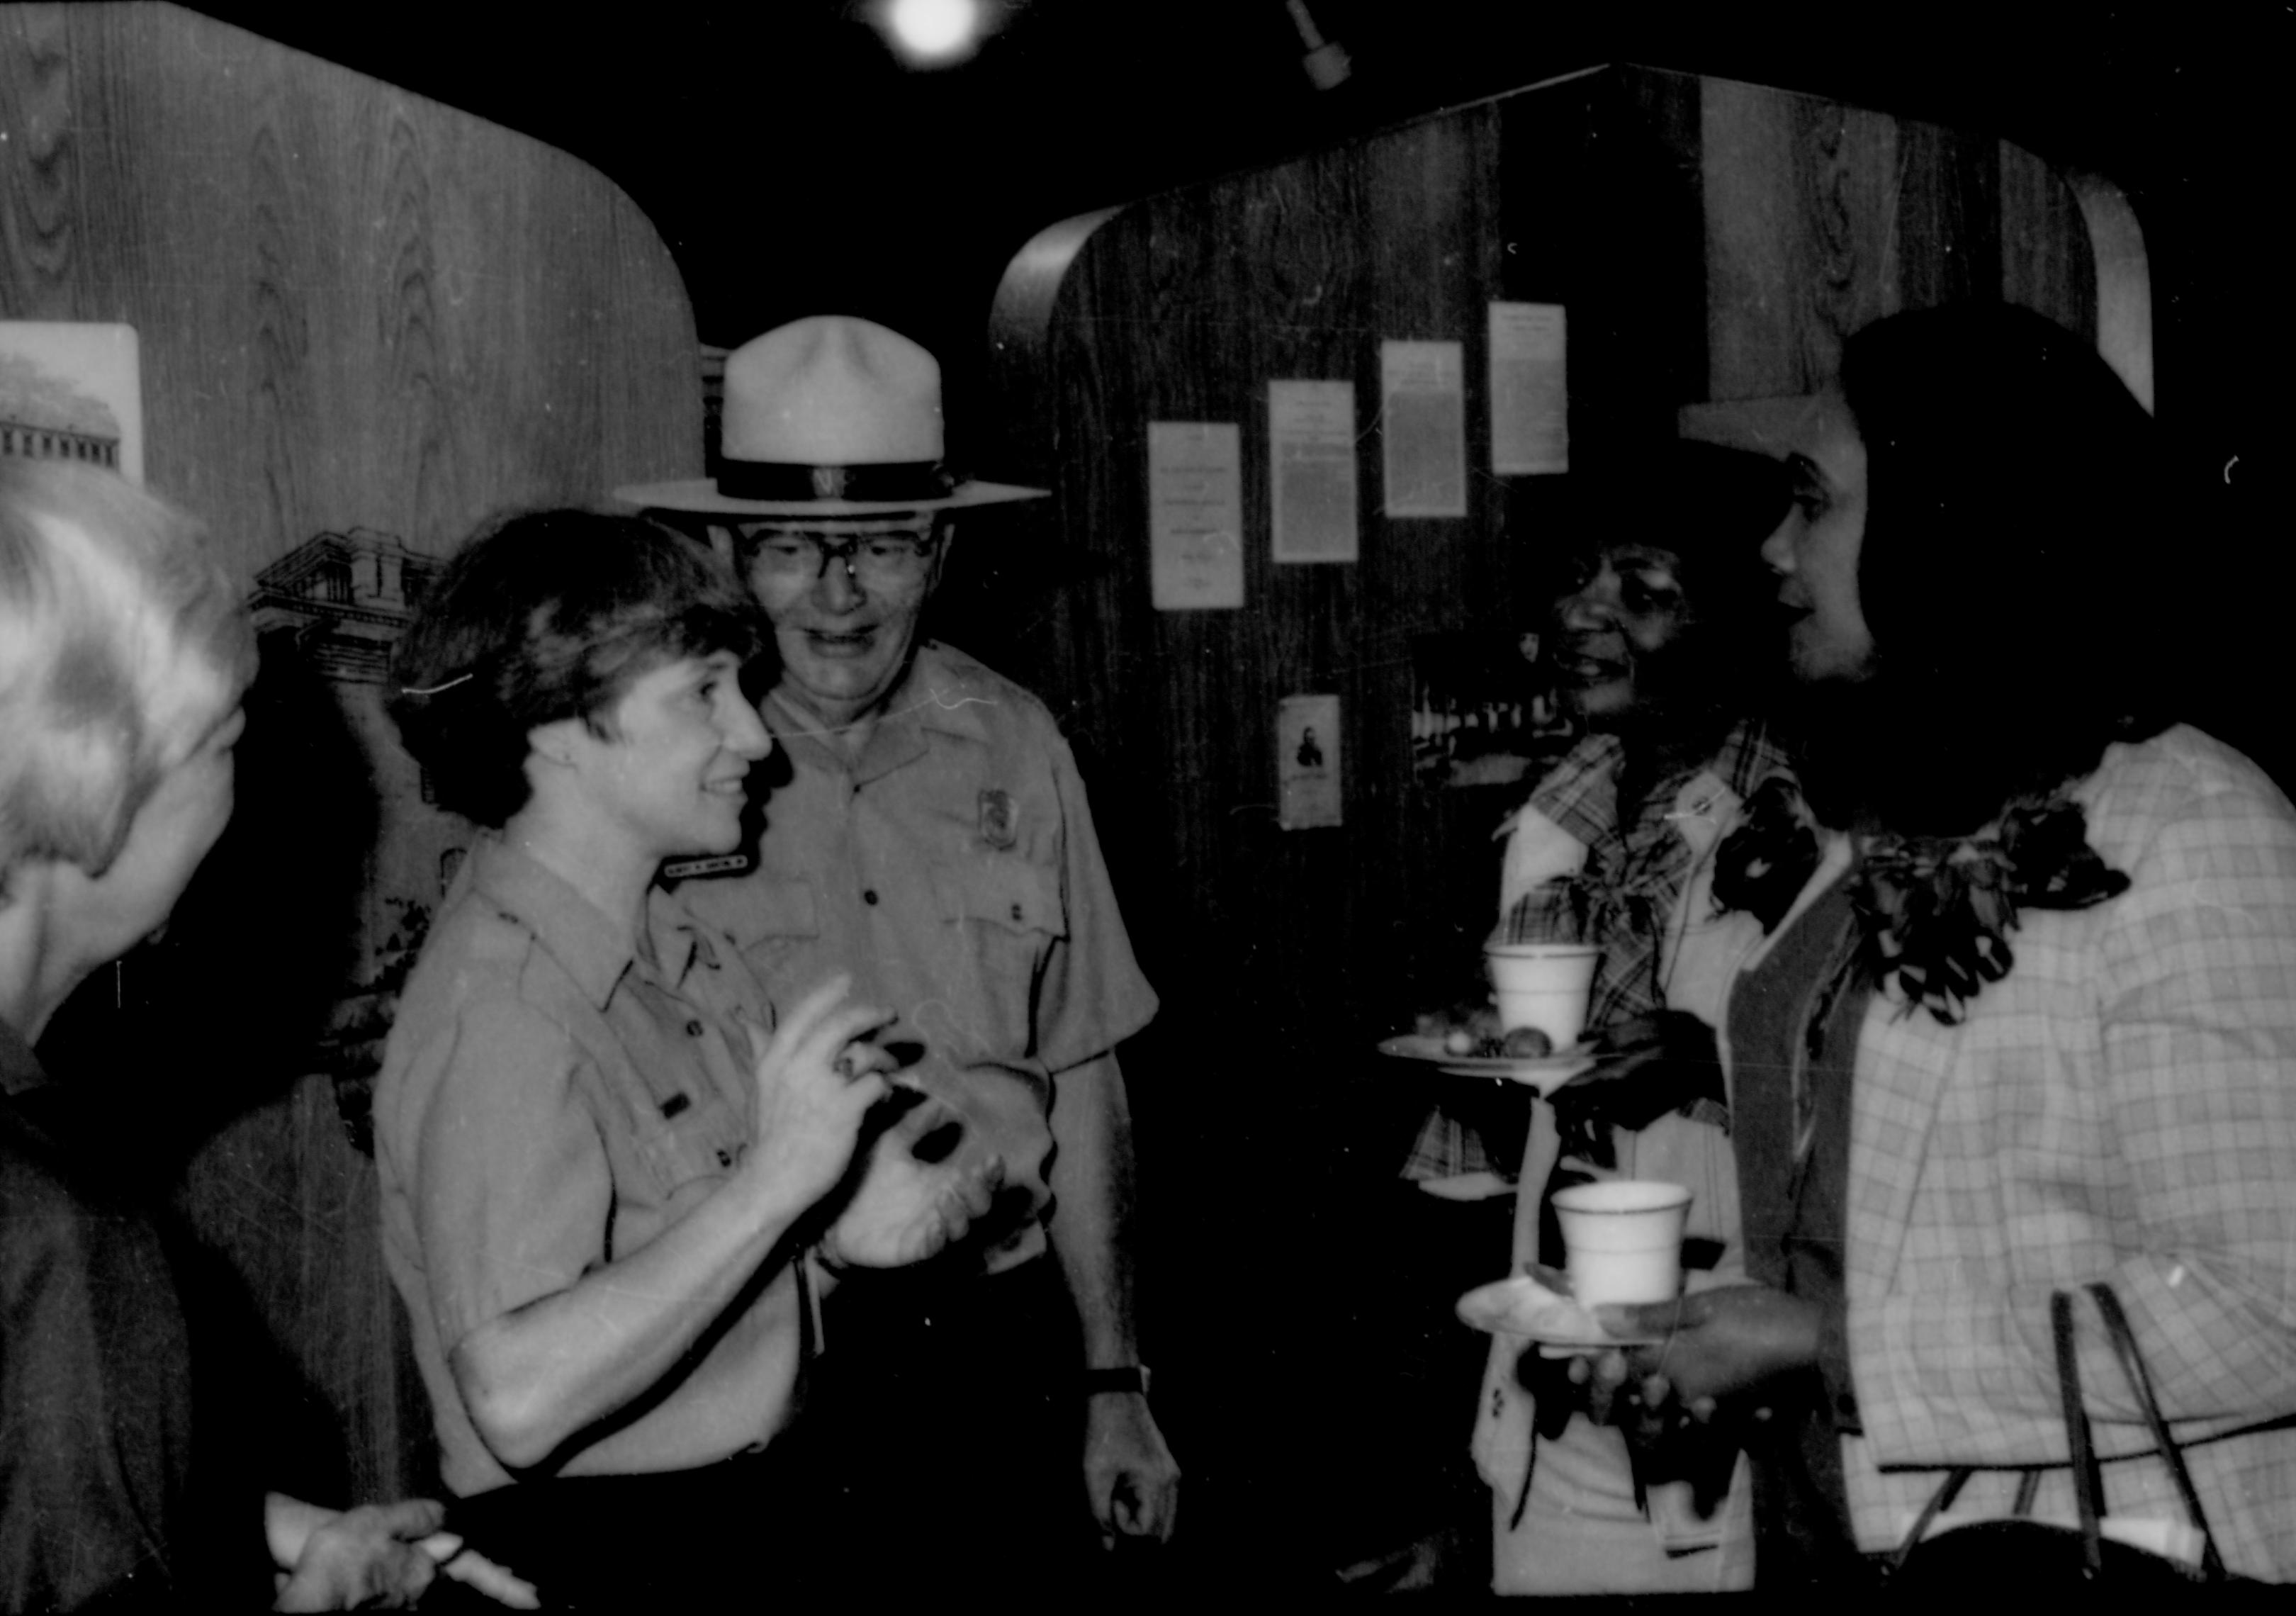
<point>952,870</point>
<point>549,1104</point>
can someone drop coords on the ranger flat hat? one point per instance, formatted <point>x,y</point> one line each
<point>828,417</point>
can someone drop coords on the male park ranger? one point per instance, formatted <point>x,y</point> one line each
<point>936,843</point>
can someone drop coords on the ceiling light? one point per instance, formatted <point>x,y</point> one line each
<point>932,33</point>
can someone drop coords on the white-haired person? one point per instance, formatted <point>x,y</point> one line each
<point>124,652</point>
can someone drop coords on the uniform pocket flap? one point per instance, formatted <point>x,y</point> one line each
<point>1006,892</point>
<point>698,1140</point>
<point>757,907</point>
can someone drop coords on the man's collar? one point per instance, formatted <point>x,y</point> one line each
<point>586,945</point>
<point>1580,792</point>
<point>929,698</point>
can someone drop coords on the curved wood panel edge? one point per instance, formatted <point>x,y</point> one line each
<point>2124,280</point>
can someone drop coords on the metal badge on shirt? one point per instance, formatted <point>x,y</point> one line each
<point>1000,819</point>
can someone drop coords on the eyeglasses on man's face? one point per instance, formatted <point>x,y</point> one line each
<point>895,556</point>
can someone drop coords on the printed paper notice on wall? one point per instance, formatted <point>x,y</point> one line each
<point>1195,514</point>
<point>1308,761</point>
<point>1423,419</point>
<point>1311,468</point>
<point>1530,403</point>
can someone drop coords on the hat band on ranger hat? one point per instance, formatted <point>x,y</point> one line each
<point>892,482</point>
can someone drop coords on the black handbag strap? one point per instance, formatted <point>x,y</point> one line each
<point>2140,1382</point>
<point>1940,1500</point>
<point>2088,1487</point>
<point>2089,1479</point>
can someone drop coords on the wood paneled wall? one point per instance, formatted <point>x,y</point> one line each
<point>356,308</point>
<point>1821,218</point>
<point>1711,240</point>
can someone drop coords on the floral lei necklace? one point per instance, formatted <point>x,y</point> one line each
<point>1934,913</point>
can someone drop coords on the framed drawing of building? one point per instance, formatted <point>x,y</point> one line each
<point>71,390</point>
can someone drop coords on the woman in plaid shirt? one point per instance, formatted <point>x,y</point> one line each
<point>1657,636</point>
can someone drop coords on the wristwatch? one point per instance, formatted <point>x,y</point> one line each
<point>1125,1377</point>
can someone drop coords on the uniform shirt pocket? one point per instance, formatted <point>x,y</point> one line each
<point>771,918</point>
<point>1008,894</point>
<point>680,1133</point>
<point>692,1138</point>
<point>1001,920</point>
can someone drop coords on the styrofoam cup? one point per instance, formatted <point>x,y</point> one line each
<point>1542,985</point>
<point>1623,1239</point>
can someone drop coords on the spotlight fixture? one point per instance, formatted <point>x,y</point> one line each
<point>1326,64</point>
<point>932,33</point>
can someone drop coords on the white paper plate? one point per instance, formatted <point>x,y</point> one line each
<point>1524,1309</point>
<point>1543,1073</point>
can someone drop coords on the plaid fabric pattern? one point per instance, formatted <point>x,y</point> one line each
<point>1638,873</point>
<point>2122,1106</point>
<point>1447,1148</point>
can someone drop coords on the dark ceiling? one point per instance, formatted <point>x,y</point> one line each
<point>794,166</point>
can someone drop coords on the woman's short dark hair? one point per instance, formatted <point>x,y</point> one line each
<point>549,615</point>
<point>2010,480</point>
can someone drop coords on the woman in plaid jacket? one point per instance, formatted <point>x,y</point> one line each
<point>2031,1022</point>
